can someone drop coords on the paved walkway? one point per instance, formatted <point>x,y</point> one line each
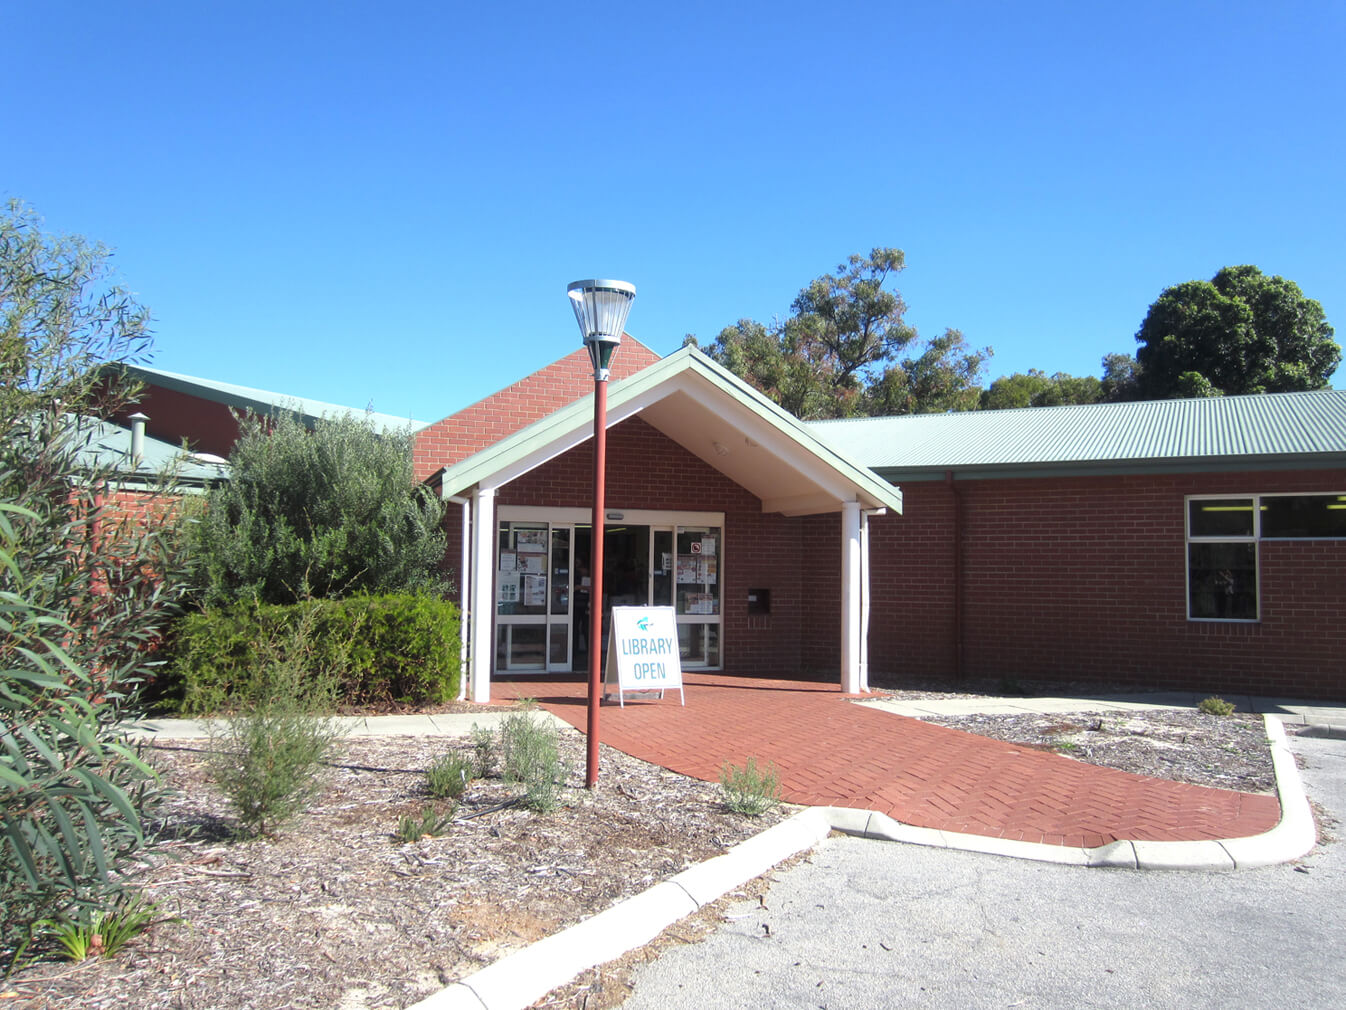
<point>831,752</point>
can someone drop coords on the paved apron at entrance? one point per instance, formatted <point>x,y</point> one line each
<point>831,752</point>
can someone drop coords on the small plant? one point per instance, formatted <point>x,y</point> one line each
<point>268,758</point>
<point>1067,746</point>
<point>1215,705</point>
<point>104,932</point>
<point>749,790</point>
<point>483,751</point>
<point>448,776</point>
<point>530,754</point>
<point>431,824</point>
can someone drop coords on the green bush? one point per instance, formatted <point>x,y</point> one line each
<point>530,755</point>
<point>400,647</point>
<point>448,776</point>
<point>84,595</point>
<point>750,790</point>
<point>317,514</point>
<point>431,824</point>
<point>104,932</point>
<point>267,759</point>
<point>1215,705</point>
<point>483,751</point>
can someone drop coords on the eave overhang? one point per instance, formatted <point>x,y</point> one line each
<point>713,414</point>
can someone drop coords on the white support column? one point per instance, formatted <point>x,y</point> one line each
<point>852,598</point>
<point>483,597</point>
<point>864,601</point>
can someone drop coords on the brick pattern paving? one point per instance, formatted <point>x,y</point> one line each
<point>835,753</point>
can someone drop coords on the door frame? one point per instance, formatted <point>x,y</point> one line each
<point>568,518</point>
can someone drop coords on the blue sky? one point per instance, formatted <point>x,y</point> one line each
<point>381,204</point>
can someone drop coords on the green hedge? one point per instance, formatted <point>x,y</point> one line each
<point>399,647</point>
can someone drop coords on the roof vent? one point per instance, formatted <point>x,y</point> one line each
<point>137,437</point>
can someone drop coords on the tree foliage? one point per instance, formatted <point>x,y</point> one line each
<point>945,376</point>
<point>85,593</point>
<point>316,514</point>
<point>1036,388</point>
<point>1240,332</point>
<point>837,354</point>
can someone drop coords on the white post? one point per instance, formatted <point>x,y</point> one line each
<point>465,592</point>
<point>483,596</point>
<point>851,597</point>
<point>864,601</point>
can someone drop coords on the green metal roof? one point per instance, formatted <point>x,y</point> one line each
<point>107,445</point>
<point>1276,429</point>
<point>261,401</point>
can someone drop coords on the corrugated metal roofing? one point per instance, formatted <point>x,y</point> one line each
<point>263,401</point>
<point>106,444</point>
<point>1268,427</point>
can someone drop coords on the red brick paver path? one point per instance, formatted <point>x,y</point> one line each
<point>831,752</point>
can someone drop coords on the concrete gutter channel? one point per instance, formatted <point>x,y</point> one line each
<point>521,978</point>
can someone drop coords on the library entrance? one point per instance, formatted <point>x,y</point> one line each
<point>543,595</point>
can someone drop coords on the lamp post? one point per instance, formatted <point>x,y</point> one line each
<point>600,309</point>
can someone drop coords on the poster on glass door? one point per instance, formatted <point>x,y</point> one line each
<point>643,652</point>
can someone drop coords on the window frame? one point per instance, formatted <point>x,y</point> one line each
<point>1255,537</point>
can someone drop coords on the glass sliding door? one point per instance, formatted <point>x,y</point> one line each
<point>697,596</point>
<point>543,588</point>
<point>533,597</point>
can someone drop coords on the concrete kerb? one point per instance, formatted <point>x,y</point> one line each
<point>1292,836</point>
<point>523,977</point>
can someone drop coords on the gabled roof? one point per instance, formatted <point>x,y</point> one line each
<point>261,401</point>
<point>716,416</point>
<point>1268,430</point>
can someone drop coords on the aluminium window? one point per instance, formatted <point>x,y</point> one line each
<point>1223,537</point>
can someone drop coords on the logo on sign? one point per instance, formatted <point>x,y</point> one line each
<point>643,624</point>
<point>696,546</point>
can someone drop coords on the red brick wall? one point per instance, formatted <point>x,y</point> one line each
<point>647,470</point>
<point>820,569</point>
<point>1085,579</point>
<point>206,426</point>
<point>530,399</point>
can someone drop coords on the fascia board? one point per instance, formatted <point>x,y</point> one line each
<point>791,427</point>
<point>549,437</point>
<point>775,441</point>
<point>1115,467</point>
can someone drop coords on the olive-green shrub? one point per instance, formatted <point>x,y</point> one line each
<point>401,647</point>
<point>317,514</point>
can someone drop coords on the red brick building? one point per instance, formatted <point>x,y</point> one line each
<point>1193,544</point>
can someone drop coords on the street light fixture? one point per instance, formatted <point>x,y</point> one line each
<point>600,309</point>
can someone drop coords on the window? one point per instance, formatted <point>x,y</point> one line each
<point>1223,535</point>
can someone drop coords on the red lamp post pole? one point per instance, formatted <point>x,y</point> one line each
<point>596,578</point>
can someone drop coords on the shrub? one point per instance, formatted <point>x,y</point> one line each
<point>530,755</point>
<point>483,751</point>
<point>749,790</point>
<point>401,647</point>
<point>1215,705</point>
<point>83,594</point>
<point>448,776</point>
<point>103,932</point>
<point>267,759</point>
<point>313,514</point>
<point>431,824</point>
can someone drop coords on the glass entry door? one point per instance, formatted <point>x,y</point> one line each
<point>543,588</point>
<point>626,578</point>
